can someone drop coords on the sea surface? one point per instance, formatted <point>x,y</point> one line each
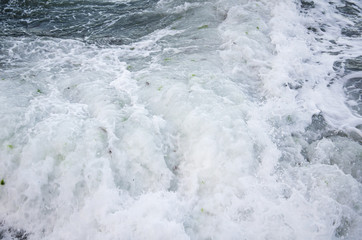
<point>180,119</point>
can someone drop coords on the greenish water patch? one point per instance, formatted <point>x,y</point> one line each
<point>203,27</point>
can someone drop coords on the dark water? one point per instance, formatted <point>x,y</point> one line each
<point>93,21</point>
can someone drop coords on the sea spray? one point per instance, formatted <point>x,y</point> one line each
<point>184,120</point>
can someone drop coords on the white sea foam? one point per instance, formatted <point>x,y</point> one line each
<point>220,126</point>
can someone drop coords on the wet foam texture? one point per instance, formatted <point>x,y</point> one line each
<point>180,120</point>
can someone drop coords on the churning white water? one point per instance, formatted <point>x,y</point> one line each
<point>173,119</point>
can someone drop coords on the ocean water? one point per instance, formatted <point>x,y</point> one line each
<point>175,119</point>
